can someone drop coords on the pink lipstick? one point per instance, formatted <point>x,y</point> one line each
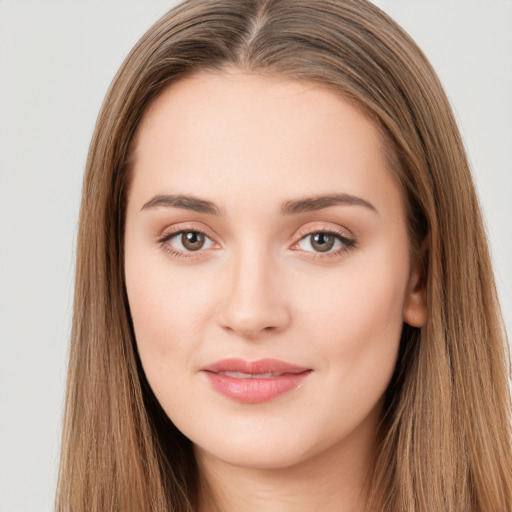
<point>254,382</point>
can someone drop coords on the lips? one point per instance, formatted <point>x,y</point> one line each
<point>254,382</point>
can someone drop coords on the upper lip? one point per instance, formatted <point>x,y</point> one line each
<point>262,366</point>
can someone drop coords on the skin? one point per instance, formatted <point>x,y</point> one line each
<point>259,288</point>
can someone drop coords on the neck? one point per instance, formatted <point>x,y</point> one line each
<point>333,480</point>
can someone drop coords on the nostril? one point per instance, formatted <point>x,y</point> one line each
<point>250,329</point>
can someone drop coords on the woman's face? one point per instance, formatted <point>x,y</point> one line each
<point>267,268</point>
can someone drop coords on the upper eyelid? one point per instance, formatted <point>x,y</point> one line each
<point>324,228</point>
<point>171,231</point>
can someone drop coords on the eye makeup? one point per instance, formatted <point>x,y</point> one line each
<point>193,241</point>
<point>316,242</point>
<point>324,237</point>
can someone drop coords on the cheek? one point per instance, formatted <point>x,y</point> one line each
<point>165,331</point>
<point>161,311</point>
<point>355,320</point>
<point>165,316</point>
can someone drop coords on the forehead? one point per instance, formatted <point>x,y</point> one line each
<point>248,101</point>
<point>258,137</point>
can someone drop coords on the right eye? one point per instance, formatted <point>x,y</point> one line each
<point>182,243</point>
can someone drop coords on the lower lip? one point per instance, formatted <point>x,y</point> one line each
<point>255,391</point>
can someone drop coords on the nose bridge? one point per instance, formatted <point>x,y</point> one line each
<point>254,299</point>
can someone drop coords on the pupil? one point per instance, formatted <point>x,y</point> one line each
<point>322,242</point>
<point>192,240</point>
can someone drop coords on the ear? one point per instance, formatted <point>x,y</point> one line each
<point>415,307</point>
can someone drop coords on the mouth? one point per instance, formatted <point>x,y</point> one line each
<point>254,382</point>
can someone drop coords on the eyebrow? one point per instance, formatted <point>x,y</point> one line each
<point>292,207</point>
<point>183,201</point>
<point>309,204</point>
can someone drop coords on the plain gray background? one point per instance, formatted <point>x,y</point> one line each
<point>56,61</point>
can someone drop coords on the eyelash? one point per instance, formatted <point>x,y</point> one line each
<point>166,236</point>
<point>347,242</point>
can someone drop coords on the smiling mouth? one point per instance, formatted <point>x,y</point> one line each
<point>253,382</point>
<point>242,375</point>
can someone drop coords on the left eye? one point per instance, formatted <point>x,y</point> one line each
<point>189,241</point>
<point>321,242</point>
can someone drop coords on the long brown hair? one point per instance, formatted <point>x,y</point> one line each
<point>445,439</point>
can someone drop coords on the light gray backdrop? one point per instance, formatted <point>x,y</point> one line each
<point>56,61</point>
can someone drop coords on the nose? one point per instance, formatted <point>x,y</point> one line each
<point>253,298</point>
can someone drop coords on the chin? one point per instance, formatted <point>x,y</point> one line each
<point>261,456</point>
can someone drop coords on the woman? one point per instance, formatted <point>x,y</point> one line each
<point>284,298</point>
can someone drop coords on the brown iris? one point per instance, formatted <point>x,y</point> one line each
<point>322,242</point>
<point>192,240</point>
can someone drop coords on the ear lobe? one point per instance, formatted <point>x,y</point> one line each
<point>415,308</point>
